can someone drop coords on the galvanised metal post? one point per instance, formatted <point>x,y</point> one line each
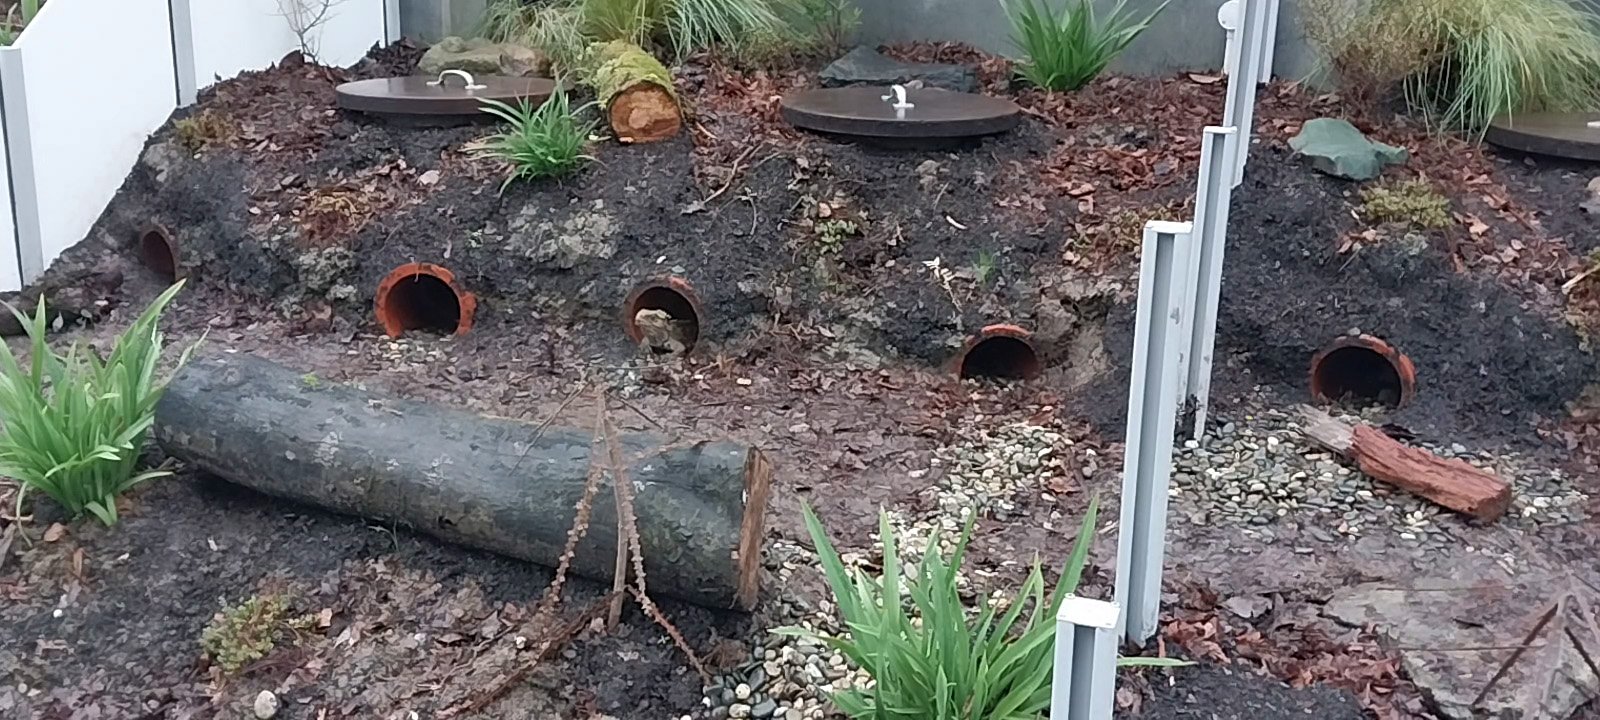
<point>1212,195</point>
<point>1164,296</point>
<point>1084,686</point>
<point>1245,58</point>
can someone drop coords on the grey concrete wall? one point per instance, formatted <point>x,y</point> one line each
<point>430,20</point>
<point>1185,37</point>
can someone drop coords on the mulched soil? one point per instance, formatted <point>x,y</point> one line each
<point>827,359</point>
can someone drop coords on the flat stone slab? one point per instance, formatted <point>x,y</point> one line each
<point>863,113</point>
<point>1440,626</point>
<point>1575,136</point>
<point>865,66</point>
<point>422,98</point>
<point>1337,148</point>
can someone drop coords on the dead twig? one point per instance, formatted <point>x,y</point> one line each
<point>1527,641</point>
<point>547,645</point>
<point>629,522</point>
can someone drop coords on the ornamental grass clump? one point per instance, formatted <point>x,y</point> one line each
<point>1066,49</point>
<point>543,141</point>
<point>72,426</point>
<point>929,656</point>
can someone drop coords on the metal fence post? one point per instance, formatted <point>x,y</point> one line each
<point>19,154</point>
<point>1152,412</point>
<point>183,52</point>
<point>1213,194</point>
<point>1245,58</point>
<point>1085,681</point>
<point>1269,41</point>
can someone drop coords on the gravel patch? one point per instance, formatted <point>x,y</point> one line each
<point>1258,470</point>
<point>987,473</point>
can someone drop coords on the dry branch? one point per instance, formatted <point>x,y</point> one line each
<point>1452,483</point>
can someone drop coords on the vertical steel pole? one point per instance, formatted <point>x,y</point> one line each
<point>1244,56</point>
<point>1085,681</point>
<point>1152,411</point>
<point>1269,41</point>
<point>1212,197</point>
<point>19,153</point>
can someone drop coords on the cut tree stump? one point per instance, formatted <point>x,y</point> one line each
<point>489,483</point>
<point>636,91</point>
<point>1451,483</point>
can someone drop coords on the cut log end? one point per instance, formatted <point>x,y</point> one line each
<point>645,113</point>
<point>757,486</point>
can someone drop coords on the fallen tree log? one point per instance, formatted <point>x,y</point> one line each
<point>490,483</point>
<point>84,295</point>
<point>636,91</point>
<point>1451,483</point>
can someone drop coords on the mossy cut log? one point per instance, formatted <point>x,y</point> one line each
<point>489,483</point>
<point>636,91</point>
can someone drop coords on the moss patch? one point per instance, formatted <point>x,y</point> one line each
<point>620,65</point>
<point>246,632</point>
<point>1413,202</point>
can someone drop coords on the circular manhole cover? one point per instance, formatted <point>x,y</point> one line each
<point>924,113</point>
<point>1566,135</point>
<point>452,97</point>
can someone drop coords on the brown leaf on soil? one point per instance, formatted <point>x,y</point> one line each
<point>55,532</point>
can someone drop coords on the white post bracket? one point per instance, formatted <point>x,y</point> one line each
<point>1085,673</point>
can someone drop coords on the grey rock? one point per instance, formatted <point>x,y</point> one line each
<point>266,705</point>
<point>482,57</point>
<point>865,66</point>
<point>1421,620</point>
<point>1337,148</point>
<point>1591,203</point>
<point>764,709</point>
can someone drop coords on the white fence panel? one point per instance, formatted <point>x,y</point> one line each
<point>10,256</point>
<point>84,86</point>
<point>232,36</point>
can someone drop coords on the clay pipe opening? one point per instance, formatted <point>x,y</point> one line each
<point>158,251</point>
<point>1364,368</point>
<point>663,313</point>
<point>1002,352</point>
<point>421,296</point>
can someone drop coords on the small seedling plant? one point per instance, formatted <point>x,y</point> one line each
<point>928,656</point>
<point>539,142</point>
<point>72,425</point>
<point>1065,49</point>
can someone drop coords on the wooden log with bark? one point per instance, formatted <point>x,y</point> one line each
<point>1449,482</point>
<point>637,92</point>
<point>501,485</point>
<point>73,296</point>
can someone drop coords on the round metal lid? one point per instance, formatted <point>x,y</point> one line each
<point>883,112</point>
<point>453,93</point>
<point>1567,135</point>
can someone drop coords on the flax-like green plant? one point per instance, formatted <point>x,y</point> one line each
<point>18,18</point>
<point>928,656</point>
<point>1066,49</point>
<point>543,141</point>
<point>1500,56</point>
<point>73,424</point>
<point>677,26</point>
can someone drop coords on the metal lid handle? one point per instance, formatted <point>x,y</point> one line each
<point>466,79</point>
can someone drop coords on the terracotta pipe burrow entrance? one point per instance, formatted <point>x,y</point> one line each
<point>673,296</point>
<point>423,296</point>
<point>1001,352</point>
<point>1363,367</point>
<point>158,251</point>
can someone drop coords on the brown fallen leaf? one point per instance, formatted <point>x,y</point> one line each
<point>1205,79</point>
<point>55,532</point>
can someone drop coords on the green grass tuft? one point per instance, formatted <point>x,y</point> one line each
<point>927,655</point>
<point>245,633</point>
<point>543,141</point>
<point>74,424</point>
<point>1066,49</point>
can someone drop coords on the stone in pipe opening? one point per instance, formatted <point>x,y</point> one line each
<point>1000,352</point>
<point>423,296</point>
<point>158,251</point>
<point>1363,367</point>
<point>663,313</point>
